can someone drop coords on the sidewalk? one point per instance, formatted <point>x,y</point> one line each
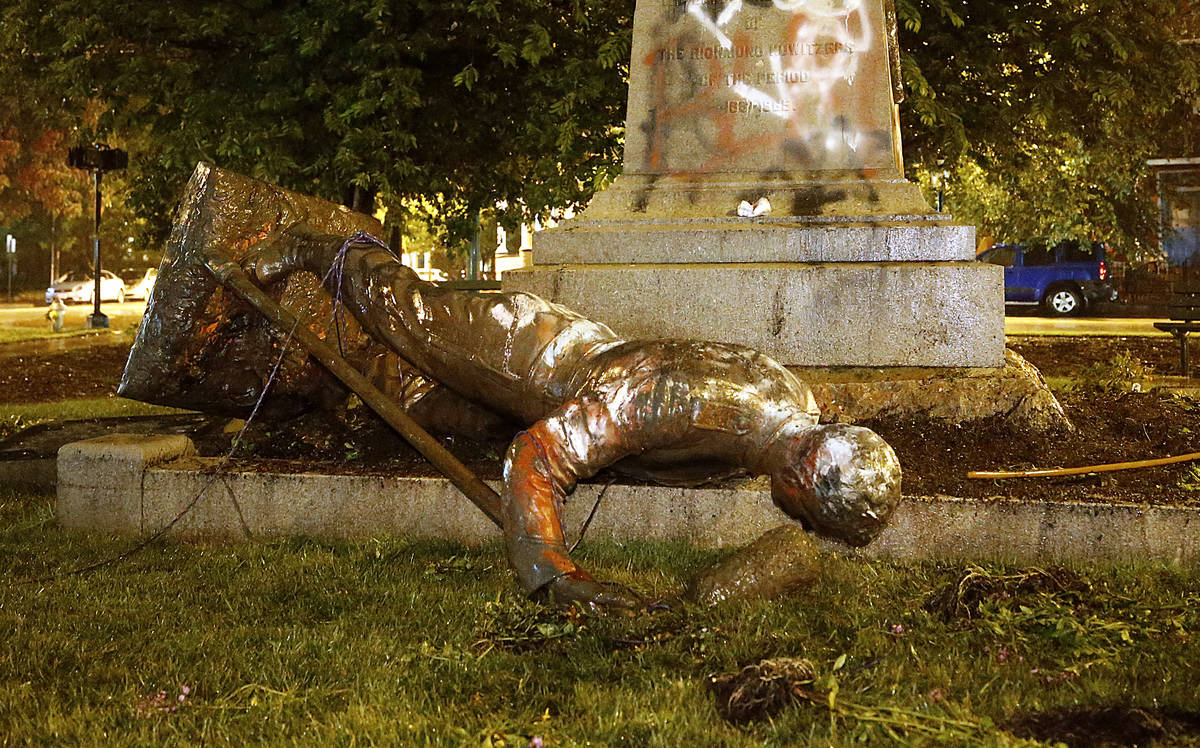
<point>1083,326</point>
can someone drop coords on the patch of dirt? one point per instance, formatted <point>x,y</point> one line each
<point>1112,426</point>
<point>1058,356</point>
<point>86,371</point>
<point>761,690</point>
<point>353,442</point>
<point>1105,726</point>
<point>962,598</point>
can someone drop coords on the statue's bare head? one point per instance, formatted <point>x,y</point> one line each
<point>841,481</point>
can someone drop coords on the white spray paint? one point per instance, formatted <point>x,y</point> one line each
<point>822,57</point>
<point>696,8</point>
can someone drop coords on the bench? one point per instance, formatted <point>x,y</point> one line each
<point>1184,309</point>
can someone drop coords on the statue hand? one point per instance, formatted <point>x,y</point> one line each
<point>266,263</point>
<point>597,596</point>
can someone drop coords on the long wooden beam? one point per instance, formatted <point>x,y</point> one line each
<point>231,275</point>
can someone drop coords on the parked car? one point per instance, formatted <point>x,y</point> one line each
<point>139,283</point>
<point>1064,278</point>
<point>76,286</point>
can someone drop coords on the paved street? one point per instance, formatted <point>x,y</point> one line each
<point>1080,326</point>
<point>124,315</point>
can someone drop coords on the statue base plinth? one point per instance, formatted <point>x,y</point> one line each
<point>805,293</point>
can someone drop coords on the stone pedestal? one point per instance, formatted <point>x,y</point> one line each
<point>897,295</point>
<point>790,105</point>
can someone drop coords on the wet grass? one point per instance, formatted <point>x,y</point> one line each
<point>17,416</point>
<point>92,407</point>
<point>391,642</point>
<point>14,334</point>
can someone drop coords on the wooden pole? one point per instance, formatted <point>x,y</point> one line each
<point>1106,468</point>
<point>232,276</point>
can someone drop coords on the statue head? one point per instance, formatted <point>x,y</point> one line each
<point>840,481</point>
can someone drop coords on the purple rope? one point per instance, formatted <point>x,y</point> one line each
<point>337,268</point>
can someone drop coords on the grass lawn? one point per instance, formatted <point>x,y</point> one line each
<point>390,642</point>
<point>42,332</point>
<point>92,407</point>
<point>17,416</point>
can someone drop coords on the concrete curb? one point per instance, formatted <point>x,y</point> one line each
<point>1034,532</point>
<point>134,485</point>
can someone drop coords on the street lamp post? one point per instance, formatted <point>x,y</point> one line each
<point>10,260</point>
<point>53,247</point>
<point>97,160</point>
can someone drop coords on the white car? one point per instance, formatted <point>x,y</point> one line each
<point>75,286</point>
<point>139,283</point>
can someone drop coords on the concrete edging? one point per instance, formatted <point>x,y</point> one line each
<point>136,484</point>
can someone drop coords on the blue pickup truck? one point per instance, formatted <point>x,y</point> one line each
<point>1064,278</point>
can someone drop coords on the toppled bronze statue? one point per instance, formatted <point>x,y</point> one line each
<point>677,412</point>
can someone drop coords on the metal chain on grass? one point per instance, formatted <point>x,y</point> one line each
<point>220,471</point>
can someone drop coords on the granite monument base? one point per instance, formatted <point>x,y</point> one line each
<point>807,291</point>
<point>826,196</point>
<point>932,314</point>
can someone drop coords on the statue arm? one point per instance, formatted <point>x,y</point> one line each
<point>543,465</point>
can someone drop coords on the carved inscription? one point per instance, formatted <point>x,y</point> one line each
<point>776,84</point>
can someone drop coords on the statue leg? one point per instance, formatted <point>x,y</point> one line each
<point>285,253</point>
<point>434,406</point>
<point>438,409</point>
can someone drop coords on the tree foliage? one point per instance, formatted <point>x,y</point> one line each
<point>34,176</point>
<point>474,101</point>
<point>1044,112</point>
<point>44,203</point>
